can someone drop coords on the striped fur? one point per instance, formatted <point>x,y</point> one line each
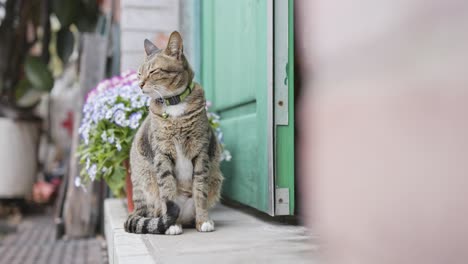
<point>139,224</point>
<point>174,161</point>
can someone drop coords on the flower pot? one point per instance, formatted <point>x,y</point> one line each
<point>128,187</point>
<point>18,157</point>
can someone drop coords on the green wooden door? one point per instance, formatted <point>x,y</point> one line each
<point>237,74</point>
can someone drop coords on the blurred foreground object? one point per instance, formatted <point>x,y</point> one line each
<point>384,131</point>
<point>18,158</point>
<point>81,209</point>
<point>43,191</point>
<point>37,39</point>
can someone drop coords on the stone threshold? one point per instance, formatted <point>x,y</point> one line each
<point>239,238</point>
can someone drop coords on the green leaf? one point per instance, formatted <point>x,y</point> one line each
<point>117,180</point>
<point>21,88</point>
<point>38,74</point>
<point>65,44</point>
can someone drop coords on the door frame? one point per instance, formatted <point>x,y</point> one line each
<point>280,107</point>
<point>283,101</point>
<point>270,114</point>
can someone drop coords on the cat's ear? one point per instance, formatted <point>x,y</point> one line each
<point>175,47</point>
<point>150,48</point>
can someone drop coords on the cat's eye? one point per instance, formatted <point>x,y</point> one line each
<point>154,71</point>
<point>167,71</point>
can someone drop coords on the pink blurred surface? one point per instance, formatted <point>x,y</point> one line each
<point>384,133</point>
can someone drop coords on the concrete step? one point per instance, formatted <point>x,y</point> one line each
<point>239,238</point>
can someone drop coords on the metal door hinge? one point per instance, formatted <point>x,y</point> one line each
<point>281,68</point>
<point>282,201</point>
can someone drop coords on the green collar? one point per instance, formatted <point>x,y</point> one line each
<point>178,98</point>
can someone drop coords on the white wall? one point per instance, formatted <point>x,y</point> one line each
<point>140,19</point>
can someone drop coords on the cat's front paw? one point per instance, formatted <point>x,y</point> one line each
<point>174,230</point>
<point>206,226</point>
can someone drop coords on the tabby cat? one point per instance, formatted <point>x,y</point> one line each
<point>174,157</point>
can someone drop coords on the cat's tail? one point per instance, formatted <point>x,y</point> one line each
<point>145,225</point>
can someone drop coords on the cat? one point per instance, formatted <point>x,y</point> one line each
<point>175,155</point>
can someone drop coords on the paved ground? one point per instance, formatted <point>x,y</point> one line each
<point>34,242</point>
<point>239,238</point>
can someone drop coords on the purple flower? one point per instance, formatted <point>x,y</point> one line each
<point>109,114</point>
<point>225,155</point>
<point>111,139</point>
<point>77,181</point>
<point>84,132</point>
<point>118,146</point>
<point>219,135</point>
<point>92,172</point>
<point>104,136</point>
<point>207,105</point>
<point>135,120</point>
<point>138,102</point>
<point>120,118</point>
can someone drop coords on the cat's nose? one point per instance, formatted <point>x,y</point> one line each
<point>141,84</point>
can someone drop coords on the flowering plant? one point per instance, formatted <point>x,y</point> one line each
<point>112,113</point>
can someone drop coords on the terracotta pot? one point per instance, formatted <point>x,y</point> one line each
<point>128,187</point>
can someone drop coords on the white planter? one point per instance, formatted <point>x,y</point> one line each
<point>18,157</point>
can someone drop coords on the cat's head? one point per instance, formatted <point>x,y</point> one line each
<point>165,72</point>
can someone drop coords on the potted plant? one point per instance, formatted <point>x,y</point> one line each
<point>36,39</point>
<point>112,113</point>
